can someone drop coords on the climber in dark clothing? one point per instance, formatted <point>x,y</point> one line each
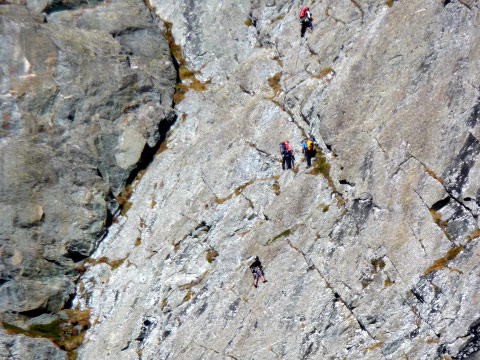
<point>306,20</point>
<point>287,155</point>
<point>257,271</point>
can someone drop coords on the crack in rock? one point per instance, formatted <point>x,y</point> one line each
<point>312,266</point>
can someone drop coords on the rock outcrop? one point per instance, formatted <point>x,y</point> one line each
<point>84,93</point>
<point>370,254</point>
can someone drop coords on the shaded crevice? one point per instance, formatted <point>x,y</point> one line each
<point>362,13</point>
<point>246,91</point>
<point>145,330</point>
<point>417,238</point>
<point>399,167</point>
<point>380,145</point>
<point>417,295</point>
<point>76,256</point>
<point>65,5</point>
<point>253,145</point>
<point>440,204</point>
<point>126,31</point>
<point>474,116</point>
<point>473,345</point>
<point>34,312</point>
<point>447,190</point>
<point>346,182</point>
<point>207,348</point>
<point>238,190</point>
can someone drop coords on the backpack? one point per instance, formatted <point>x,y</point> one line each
<point>283,149</point>
<point>309,145</point>
<point>303,11</point>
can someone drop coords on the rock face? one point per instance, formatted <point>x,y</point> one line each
<point>83,93</point>
<point>371,254</point>
<point>24,347</point>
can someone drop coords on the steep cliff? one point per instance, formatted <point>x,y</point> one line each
<point>372,253</point>
<point>82,100</point>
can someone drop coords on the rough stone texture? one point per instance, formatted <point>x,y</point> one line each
<point>376,260</point>
<point>82,94</point>
<point>22,347</point>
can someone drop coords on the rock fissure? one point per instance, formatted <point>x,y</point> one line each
<point>447,190</point>
<point>362,13</point>
<point>329,286</point>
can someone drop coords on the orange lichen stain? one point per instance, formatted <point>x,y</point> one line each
<point>432,174</point>
<point>474,235</point>
<point>442,262</point>
<point>454,270</point>
<point>442,224</point>
<point>375,346</point>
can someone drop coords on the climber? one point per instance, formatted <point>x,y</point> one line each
<point>257,271</point>
<point>287,155</point>
<point>308,151</point>
<point>306,20</point>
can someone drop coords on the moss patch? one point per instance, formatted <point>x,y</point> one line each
<point>276,188</point>
<point>248,22</point>
<point>67,333</point>
<point>105,260</point>
<point>442,262</point>
<point>184,74</point>
<point>188,296</point>
<point>324,72</point>
<point>211,255</point>
<point>432,174</point>
<point>175,49</point>
<point>282,234</point>
<point>320,165</point>
<point>387,282</point>
<point>238,190</point>
<point>378,264</point>
<point>274,83</point>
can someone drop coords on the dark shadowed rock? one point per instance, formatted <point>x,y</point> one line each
<point>83,93</point>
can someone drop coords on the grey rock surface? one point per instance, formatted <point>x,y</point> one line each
<point>83,93</point>
<point>378,259</point>
<point>22,347</point>
<point>372,254</point>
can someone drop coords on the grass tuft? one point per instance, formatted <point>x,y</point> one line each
<point>320,165</point>
<point>274,83</point>
<point>66,334</point>
<point>211,255</point>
